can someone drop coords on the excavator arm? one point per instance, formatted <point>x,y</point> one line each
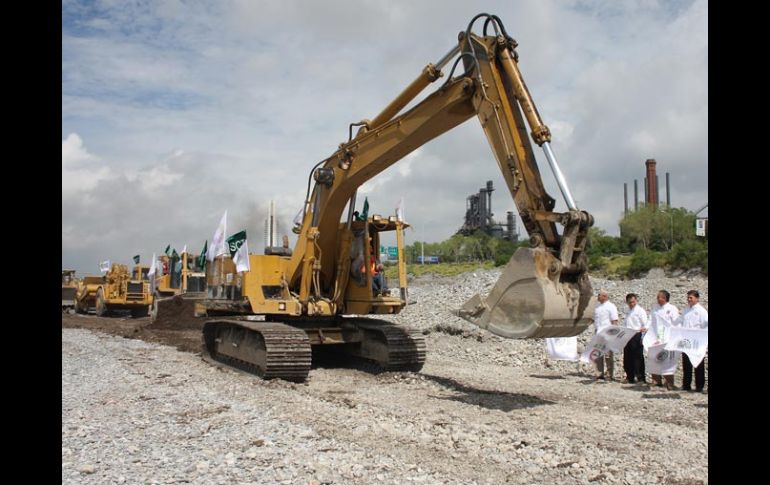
<point>544,291</point>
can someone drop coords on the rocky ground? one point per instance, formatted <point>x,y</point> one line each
<point>484,410</point>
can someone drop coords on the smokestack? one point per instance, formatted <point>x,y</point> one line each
<point>652,182</point>
<point>489,198</point>
<point>625,198</point>
<point>668,191</point>
<point>636,195</point>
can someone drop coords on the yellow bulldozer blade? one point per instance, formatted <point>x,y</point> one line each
<point>177,312</point>
<point>531,300</point>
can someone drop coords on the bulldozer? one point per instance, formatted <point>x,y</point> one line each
<point>319,295</point>
<point>69,286</point>
<point>116,290</point>
<point>178,293</point>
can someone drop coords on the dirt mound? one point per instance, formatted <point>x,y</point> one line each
<point>177,312</point>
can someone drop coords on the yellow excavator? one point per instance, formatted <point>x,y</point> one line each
<point>315,295</point>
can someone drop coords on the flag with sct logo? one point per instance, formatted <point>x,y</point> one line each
<point>661,361</point>
<point>167,248</point>
<point>218,245</point>
<point>610,339</point>
<point>136,259</point>
<point>104,266</point>
<point>564,348</point>
<point>692,341</point>
<point>239,251</point>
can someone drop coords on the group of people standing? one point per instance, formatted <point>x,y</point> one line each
<point>651,329</point>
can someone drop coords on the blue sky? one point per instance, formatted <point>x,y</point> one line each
<point>174,111</point>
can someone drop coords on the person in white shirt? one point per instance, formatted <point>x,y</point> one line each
<point>633,353</point>
<point>605,314</point>
<point>662,316</point>
<point>694,316</point>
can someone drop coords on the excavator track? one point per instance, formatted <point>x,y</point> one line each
<point>390,347</point>
<point>268,349</point>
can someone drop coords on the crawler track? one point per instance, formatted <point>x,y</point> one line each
<point>267,349</point>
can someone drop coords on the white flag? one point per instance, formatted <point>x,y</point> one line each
<point>153,267</point>
<point>400,210</point>
<point>184,249</point>
<point>104,266</point>
<point>609,339</point>
<point>241,258</point>
<point>151,273</point>
<point>661,361</point>
<point>239,251</point>
<point>692,341</point>
<point>564,348</point>
<point>218,245</point>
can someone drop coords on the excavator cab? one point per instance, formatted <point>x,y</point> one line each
<point>364,295</point>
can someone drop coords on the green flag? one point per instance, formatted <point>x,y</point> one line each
<point>239,251</point>
<point>365,213</point>
<point>202,257</point>
<point>174,254</point>
<point>167,248</point>
<point>136,259</point>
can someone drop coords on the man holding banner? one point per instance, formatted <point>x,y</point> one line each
<point>605,314</point>
<point>694,317</point>
<point>662,317</point>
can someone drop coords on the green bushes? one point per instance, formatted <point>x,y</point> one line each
<point>644,260</point>
<point>690,254</point>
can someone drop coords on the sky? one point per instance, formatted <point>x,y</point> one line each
<point>173,112</point>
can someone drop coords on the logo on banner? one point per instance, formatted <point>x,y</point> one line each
<point>595,354</point>
<point>612,331</point>
<point>662,356</point>
<point>684,344</point>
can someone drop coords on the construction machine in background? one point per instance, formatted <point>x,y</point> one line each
<point>177,294</point>
<point>118,289</point>
<point>315,296</point>
<point>69,286</point>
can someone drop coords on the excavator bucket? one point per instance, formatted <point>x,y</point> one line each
<point>531,300</point>
<point>177,312</point>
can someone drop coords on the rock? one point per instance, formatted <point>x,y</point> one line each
<point>87,469</point>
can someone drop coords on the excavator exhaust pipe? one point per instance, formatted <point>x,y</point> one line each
<point>531,300</point>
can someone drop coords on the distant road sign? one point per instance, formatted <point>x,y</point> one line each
<point>392,252</point>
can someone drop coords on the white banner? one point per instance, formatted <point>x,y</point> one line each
<point>104,266</point>
<point>692,341</point>
<point>661,361</point>
<point>562,348</point>
<point>655,335</point>
<point>612,338</point>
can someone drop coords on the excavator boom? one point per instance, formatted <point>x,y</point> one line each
<point>544,291</point>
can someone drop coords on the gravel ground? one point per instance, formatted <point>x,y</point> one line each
<point>484,410</point>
